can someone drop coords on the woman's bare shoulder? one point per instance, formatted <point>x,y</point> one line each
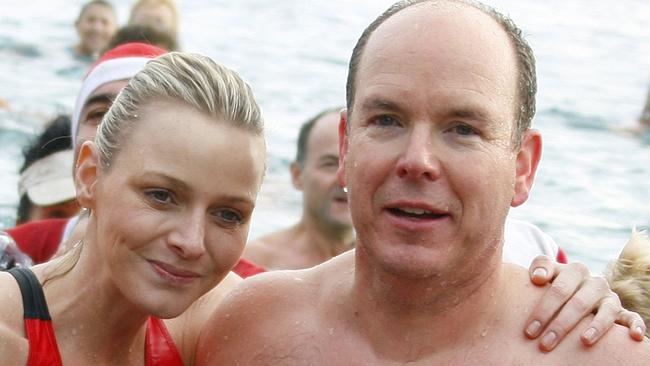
<point>13,344</point>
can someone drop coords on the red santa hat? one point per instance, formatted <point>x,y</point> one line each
<point>119,63</point>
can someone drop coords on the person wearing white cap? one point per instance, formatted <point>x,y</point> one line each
<point>45,186</point>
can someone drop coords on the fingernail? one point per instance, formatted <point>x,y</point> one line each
<point>549,340</point>
<point>533,328</point>
<point>589,334</point>
<point>540,272</point>
<point>640,330</point>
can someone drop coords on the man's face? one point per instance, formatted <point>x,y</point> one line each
<point>323,196</point>
<point>428,159</point>
<point>94,110</point>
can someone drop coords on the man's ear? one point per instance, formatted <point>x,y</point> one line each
<point>296,175</point>
<point>85,176</point>
<point>343,146</point>
<point>528,157</point>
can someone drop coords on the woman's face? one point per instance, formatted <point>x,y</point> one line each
<point>172,213</point>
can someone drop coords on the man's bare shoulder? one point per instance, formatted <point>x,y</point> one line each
<point>185,328</point>
<point>615,348</point>
<point>269,311</point>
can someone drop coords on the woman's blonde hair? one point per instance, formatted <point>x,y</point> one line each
<point>629,276</point>
<point>193,79</point>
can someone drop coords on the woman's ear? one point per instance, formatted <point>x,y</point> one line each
<point>85,175</point>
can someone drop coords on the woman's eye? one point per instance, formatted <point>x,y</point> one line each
<point>160,196</point>
<point>229,216</point>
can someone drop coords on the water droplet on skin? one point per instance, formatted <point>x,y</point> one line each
<point>485,332</point>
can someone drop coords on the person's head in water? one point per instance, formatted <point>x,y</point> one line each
<point>95,25</point>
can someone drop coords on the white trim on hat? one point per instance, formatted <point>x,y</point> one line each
<point>107,71</point>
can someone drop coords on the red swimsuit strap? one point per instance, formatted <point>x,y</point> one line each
<point>160,349</point>
<point>43,350</point>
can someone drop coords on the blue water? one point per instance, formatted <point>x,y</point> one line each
<point>593,184</point>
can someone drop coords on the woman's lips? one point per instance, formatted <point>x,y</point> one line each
<point>173,274</point>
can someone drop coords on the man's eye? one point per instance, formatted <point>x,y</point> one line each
<point>464,130</point>
<point>159,196</point>
<point>95,117</point>
<point>385,121</point>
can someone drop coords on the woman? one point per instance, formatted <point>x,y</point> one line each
<point>170,182</point>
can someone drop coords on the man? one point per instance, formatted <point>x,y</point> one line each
<point>45,186</point>
<point>435,147</point>
<point>325,228</point>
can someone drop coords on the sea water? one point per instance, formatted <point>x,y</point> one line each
<point>593,66</point>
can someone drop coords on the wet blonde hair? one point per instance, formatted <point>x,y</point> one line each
<point>629,276</point>
<point>193,79</point>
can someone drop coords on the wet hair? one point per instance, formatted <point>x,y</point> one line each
<point>87,5</point>
<point>629,276</point>
<point>54,138</point>
<point>171,4</point>
<point>144,34</point>
<point>305,131</point>
<point>527,80</point>
<point>193,79</point>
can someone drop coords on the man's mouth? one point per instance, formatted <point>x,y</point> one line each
<point>416,213</point>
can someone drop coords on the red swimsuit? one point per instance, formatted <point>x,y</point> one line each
<point>43,350</point>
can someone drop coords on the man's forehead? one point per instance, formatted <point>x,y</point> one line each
<point>324,134</point>
<point>105,93</point>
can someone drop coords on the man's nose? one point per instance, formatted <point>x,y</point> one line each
<point>419,158</point>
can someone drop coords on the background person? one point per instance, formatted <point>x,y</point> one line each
<point>45,187</point>
<point>143,34</point>
<point>629,276</point>
<point>161,15</point>
<point>161,232</point>
<point>95,25</point>
<point>325,229</point>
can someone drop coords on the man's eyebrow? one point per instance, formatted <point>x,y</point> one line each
<point>469,113</point>
<point>104,97</point>
<point>378,103</point>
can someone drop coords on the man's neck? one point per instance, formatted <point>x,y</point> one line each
<point>427,315</point>
<point>323,239</point>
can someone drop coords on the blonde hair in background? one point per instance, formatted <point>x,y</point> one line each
<point>629,276</point>
<point>193,79</point>
<point>171,4</point>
